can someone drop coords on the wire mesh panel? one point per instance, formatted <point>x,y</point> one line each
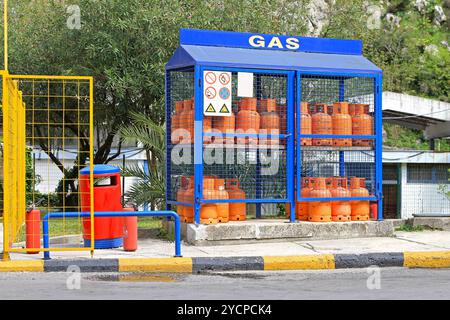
<point>58,130</point>
<point>13,110</point>
<point>427,190</point>
<point>180,133</point>
<point>328,164</point>
<point>339,106</point>
<point>243,152</point>
<point>249,146</point>
<point>336,146</point>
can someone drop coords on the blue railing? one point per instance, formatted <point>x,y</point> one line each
<point>100,214</point>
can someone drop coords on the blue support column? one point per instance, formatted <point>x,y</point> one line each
<point>379,144</point>
<point>168,140</point>
<point>341,153</point>
<point>297,132</point>
<point>198,142</point>
<point>290,144</point>
<point>258,159</point>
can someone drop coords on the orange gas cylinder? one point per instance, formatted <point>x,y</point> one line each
<point>305,123</point>
<point>340,210</point>
<point>342,123</point>
<point>360,209</point>
<point>319,211</point>
<point>188,211</point>
<point>287,209</point>
<point>130,234</point>
<point>208,211</point>
<point>207,127</point>
<point>351,109</point>
<point>270,121</point>
<point>181,198</point>
<point>268,105</point>
<point>225,125</point>
<point>175,137</point>
<point>187,121</point>
<point>248,120</point>
<point>33,230</point>
<point>248,104</point>
<point>373,211</point>
<point>223,208</point>
<point>362,124</point>
<point>329,183</point>
<point>301,207</point>
<point>321,124</point>
<point>237,210</point>
<point>283,119</point>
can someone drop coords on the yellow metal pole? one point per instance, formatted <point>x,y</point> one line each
<point>6,184</point>
<point>91,160</point>
<point>5,33</point>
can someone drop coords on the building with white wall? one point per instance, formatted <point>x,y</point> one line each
<point>416,183</point>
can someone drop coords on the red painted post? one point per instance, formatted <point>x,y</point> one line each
<point>33,230</point>
<point>130,237</point>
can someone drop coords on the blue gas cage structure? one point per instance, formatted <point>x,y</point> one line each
<point>290,70</point>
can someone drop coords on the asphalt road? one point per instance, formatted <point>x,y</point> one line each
<point>394,283</point>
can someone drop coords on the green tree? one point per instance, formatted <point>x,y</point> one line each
<point>125,44</point>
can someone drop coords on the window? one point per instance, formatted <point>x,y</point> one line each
<point>442,173</point>
<point>428,173</point>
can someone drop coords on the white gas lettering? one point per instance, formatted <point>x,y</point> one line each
<point>292,43</point>
<point>257,41</point>
<point>275,42</point>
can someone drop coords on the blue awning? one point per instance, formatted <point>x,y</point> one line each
<point>190,55</point>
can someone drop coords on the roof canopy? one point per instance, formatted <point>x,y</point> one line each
<point>246,50</point>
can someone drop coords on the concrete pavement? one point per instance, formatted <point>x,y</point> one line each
<point>410,249</point>
<point>394,283</point>
<point>155,248</point>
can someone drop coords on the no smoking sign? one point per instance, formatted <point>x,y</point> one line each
<point>217,93</point>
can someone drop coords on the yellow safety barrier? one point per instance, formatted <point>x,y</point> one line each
<point>47,140</point>
<point>13,162</point>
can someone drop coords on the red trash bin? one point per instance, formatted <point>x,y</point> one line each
<point>108,231</point>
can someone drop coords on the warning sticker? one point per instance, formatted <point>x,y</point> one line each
<point>210,93</point>
<point>224,109</point>
<point>210,109</point>
<point>217,96</point>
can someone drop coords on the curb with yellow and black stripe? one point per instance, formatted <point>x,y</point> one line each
<point>427,259</point>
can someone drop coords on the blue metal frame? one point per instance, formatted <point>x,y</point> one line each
<point>200,62</point>
<point>291,145</point>
<point>98,214</point>
<point>199,134</point>
<point>377,137</point>
<point>198,142</point>
<point>258,157</point>
<point>379,143</point>
<point>168,140</point>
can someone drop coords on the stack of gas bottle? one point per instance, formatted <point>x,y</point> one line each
<point>338,211</point>
<point>183,118</point>
<point>266,119</point>
<point>341,118</point>
<point>214,188</point>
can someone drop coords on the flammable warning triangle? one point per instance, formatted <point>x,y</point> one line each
<point>224,109</point>
<point>210,108</point>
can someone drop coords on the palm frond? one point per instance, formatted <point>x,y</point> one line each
<point>145,131</point>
